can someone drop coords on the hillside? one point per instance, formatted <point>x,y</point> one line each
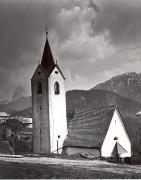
<point>123,90</point>
<point>78,99</point>
<point>133,127</point>
<point>18,105</point>
<point>127,85</point>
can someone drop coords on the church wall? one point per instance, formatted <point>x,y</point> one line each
<point>57,112</point>
<point>41,135</point>
<point>116,129</point>
<point>36,122</point>
<point>45,130</point>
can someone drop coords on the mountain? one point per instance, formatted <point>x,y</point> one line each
<point>78,99</point>
<point>18,93</point>
<point>26,112</point>
<point>123,90</point>
<point>17,105</point>
<point>126,85</point>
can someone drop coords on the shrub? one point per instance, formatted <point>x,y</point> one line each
<point>22,146</point>
<point>127,160</point>
<point>136,160</point>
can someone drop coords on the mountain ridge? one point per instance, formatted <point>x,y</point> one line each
<point>126,85</point>
<point>78,99</point>
<point>102,94</point>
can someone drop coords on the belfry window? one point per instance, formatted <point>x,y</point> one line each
<point>57,88</point>
<point>39,88</point>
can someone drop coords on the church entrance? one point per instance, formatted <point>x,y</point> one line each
<point>118,150</point>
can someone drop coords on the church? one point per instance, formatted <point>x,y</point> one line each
<point>98,131</point>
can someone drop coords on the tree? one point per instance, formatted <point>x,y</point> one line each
<point>11,130</point>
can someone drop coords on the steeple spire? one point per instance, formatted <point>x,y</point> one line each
<point>47,58</point>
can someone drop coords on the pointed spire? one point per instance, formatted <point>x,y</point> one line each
<point>47,58</point>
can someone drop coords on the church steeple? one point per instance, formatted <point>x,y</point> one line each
<point>48,105</point>
<point>47,58</point>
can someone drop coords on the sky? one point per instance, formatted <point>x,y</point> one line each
<point>92,40</point>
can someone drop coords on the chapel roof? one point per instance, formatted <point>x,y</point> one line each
<point>88,127</point>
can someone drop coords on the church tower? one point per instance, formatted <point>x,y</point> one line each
<point>48,105</point>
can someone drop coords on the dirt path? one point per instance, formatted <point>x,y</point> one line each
<point>91,165</point>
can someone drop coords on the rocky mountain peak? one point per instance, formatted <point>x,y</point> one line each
<point>127,85</point>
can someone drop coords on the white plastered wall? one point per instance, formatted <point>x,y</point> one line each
<point>57,112</point>
<point>116,129</point>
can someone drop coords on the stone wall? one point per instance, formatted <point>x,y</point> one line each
<point>40,109</point>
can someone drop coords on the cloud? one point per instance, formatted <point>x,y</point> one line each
<point>85,48</point>
<point>22,34</point>
<point>121,19</point>
<point>75,81</point>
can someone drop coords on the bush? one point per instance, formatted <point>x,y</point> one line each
<point>127,160</point>
<point>22,146</point>
<point>136,160</point>
<point>133,160</point>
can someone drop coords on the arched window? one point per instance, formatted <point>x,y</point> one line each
<point>39,88</point>
<point>57,88</point>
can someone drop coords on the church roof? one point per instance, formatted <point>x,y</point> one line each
<point>88,128</point>
<point>47,59</point>
<point>47,63</point>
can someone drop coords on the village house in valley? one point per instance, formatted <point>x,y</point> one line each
<point>99,131</point>
<point>3,116</point>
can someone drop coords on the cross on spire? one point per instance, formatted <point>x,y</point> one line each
<point>46,31</point>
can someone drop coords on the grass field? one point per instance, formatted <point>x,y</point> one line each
<point>45,168</point>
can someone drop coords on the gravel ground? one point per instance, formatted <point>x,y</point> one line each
<point>43,167</point>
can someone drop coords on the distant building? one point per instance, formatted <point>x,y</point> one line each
<point>9,123</point>
<point>138,113</point>
<point>26,120</point>
<point>26,133</point>
<point>3,116</point>
<point>49,106</point>
<point>98,131</point>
